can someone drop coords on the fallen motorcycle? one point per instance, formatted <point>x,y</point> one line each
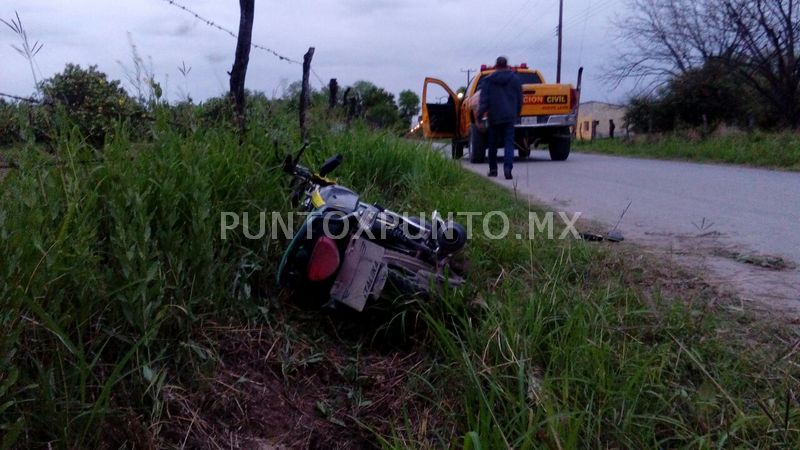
<point>347,251</point>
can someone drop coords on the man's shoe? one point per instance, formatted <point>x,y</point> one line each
<point>492,173</point>
<point>508,174</point>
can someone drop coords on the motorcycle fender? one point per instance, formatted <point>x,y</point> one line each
<point>363,274</point>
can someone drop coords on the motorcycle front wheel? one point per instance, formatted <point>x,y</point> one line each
<point>451,238</point>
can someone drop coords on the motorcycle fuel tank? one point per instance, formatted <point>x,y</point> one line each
<point>339,198</point>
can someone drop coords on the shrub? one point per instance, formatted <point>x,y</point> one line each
<point>9,124</point>
<point>704,97</point>
<point>92,102</point>
<point>383,115</point>
<point>216,111</point>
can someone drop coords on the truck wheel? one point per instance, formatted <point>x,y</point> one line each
<point>559,147</point>
<point>477,146</point>
<point>457,149</point>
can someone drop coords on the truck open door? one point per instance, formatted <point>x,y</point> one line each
<point>439,119</point>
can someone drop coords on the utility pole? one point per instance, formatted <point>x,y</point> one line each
<point>468,72</point>
<point>560,26</point>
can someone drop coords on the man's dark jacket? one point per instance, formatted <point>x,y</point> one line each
<point>501,97</point>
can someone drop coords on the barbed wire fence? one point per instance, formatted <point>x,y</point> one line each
<point>21,99</point>
<point>7,164</point>
<point>229,32</point>
<point>210,23</point>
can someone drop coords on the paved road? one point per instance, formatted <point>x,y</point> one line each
<point>724,215</point>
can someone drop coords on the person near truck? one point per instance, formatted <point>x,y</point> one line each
<point>500,105</point>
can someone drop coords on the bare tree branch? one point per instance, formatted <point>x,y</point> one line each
<point>756,39</point>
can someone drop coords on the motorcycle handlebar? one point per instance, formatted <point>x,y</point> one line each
<point>301,175</point>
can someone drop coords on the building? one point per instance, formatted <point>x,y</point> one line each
<point>594,120</point>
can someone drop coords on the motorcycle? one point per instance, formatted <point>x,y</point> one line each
<point>347,251</point>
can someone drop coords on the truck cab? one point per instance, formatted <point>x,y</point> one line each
<point>548,112</point>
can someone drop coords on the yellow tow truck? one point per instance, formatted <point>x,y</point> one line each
<point>548,113</point>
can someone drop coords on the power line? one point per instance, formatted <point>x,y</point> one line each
<point>574,20</point>
<point>590,8</point>
<point>540,10</point>
<point>488,46</point>
<point>583,35</point>
<point>235,36</point>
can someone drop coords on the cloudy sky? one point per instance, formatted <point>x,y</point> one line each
<point>393,43</point>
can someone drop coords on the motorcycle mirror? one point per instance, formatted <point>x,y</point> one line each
<point>330,165</point>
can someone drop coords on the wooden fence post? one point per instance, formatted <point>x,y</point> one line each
<point>239,70</point>
<point>304,93</point>
<point>333,91</point>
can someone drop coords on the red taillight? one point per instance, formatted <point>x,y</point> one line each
<point>324,259</point>
<point>573,101</point>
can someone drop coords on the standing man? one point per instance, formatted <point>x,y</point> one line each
<point>501,103</point>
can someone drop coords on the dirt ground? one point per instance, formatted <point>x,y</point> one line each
<point>272,389</point>
<point>275,390</point>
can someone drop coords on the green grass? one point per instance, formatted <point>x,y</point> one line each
<point>114,280</point>
<point>760,149</point>
<point>564,353</point>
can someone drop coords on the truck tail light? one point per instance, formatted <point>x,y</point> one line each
<point>574,99</point>
<point>324,260</point>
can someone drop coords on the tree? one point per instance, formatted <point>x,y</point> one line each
<point>703,97</point>
<point>372,95</point>
<point>408,103</point>
<point>93,102</point>
<point>239,71</point>
<point>292,91</point>
<point>375,104</point>
<point>662,39</point>
<point>756,40</point>
<point>363,87</point>
<point>382,115</point>
<point>767,57</point>
<point>708,96</point>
